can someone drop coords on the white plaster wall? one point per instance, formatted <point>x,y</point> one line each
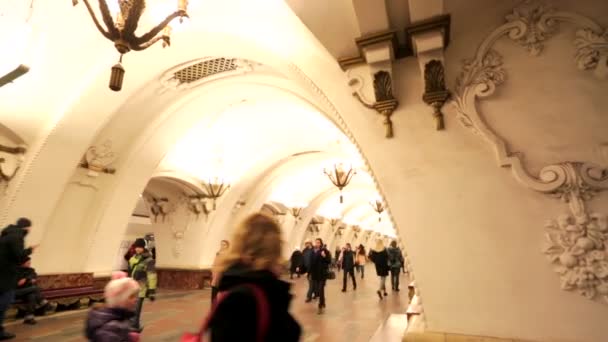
<point>473,233</point>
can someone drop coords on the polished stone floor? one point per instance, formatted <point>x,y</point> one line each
<point>353,316</point>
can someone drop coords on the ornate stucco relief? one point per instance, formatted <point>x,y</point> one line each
<point>98,159</point>
<point>173,213</point>
<point>10,161</point>
<point>576,243</point>
<point>180,221</point>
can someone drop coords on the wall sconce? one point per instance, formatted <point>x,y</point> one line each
<point>334,221</point>
<point>378,207</point>
<point>215,189</point>
<point>313,228</point>
<point>295,212</point>
<point>435,91</point>
<point>158,207</point>
<point>340,177</point>
<point>385,103</point>
<point>197,205</point>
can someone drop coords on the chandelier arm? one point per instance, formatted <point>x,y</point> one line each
<point>108,34</point>
<point>213,193</point>
<point>107,19</point>
<point>338,182</point>
<point>132,21</point>
<point>153,32</point>
<point>218,190</point>
<point>349,176</point>
<point>206,190</point>
<point>150,43</point>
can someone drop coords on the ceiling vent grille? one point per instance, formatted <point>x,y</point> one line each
<point>204,69</point>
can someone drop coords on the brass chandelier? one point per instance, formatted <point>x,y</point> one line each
<point>378,207</point>
<point>340,177</point>
<point>215,189</point>
<point>122,32</point>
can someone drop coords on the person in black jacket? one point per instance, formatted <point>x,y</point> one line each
<point>321,259</point>
<point>307,254</point>
<point>348,265</point>
<point>379,256</point>
<point>28,290</point>
<point>12,254</point>
<point>296,263</point>
<point>395,263</point>
<point>253,259</point>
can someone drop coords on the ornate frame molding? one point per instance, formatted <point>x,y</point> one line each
<point>576,244</point>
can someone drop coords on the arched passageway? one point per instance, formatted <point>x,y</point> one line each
<point>258,94</point>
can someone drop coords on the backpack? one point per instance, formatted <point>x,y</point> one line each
<point>393,257</point>
<point>263,315</point>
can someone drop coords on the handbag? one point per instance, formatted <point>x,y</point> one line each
<point>263,315</point>
<point>331,274</point>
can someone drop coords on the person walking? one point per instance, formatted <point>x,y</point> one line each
<point>348,266</point>
<point>295,263</point>
<point>142,268</point>
<point>379,256</point>
<point>361,260</point>
<point>12,254</point>
<point>215,276</point>
<point>307,255</point>
<point>395,263</point>
<point>112,321</point>
<point>337,254</point>
<point>253,302</point>
<point>321,260</point>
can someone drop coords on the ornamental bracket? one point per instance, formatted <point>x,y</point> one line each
<point>379,49</point>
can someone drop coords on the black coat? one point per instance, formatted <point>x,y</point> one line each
<point>12,254</point>
<point>348,260</point>
<point>307,254</point>
<point>380,259</point>
<point>108,325</point>
<point>320,264</point>
<point>236,315</point>
<point>296,261</point>
<point>27,273</point>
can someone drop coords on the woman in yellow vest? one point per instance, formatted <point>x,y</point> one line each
<point>142,269</point>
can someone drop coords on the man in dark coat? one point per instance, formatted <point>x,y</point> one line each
<point>12,254</point>
<point>348,265</point>
<point>28,291</point>
<point>395,263</point>
<point>307,254</point>
<point>321,259</point>
<point>296,263</point>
